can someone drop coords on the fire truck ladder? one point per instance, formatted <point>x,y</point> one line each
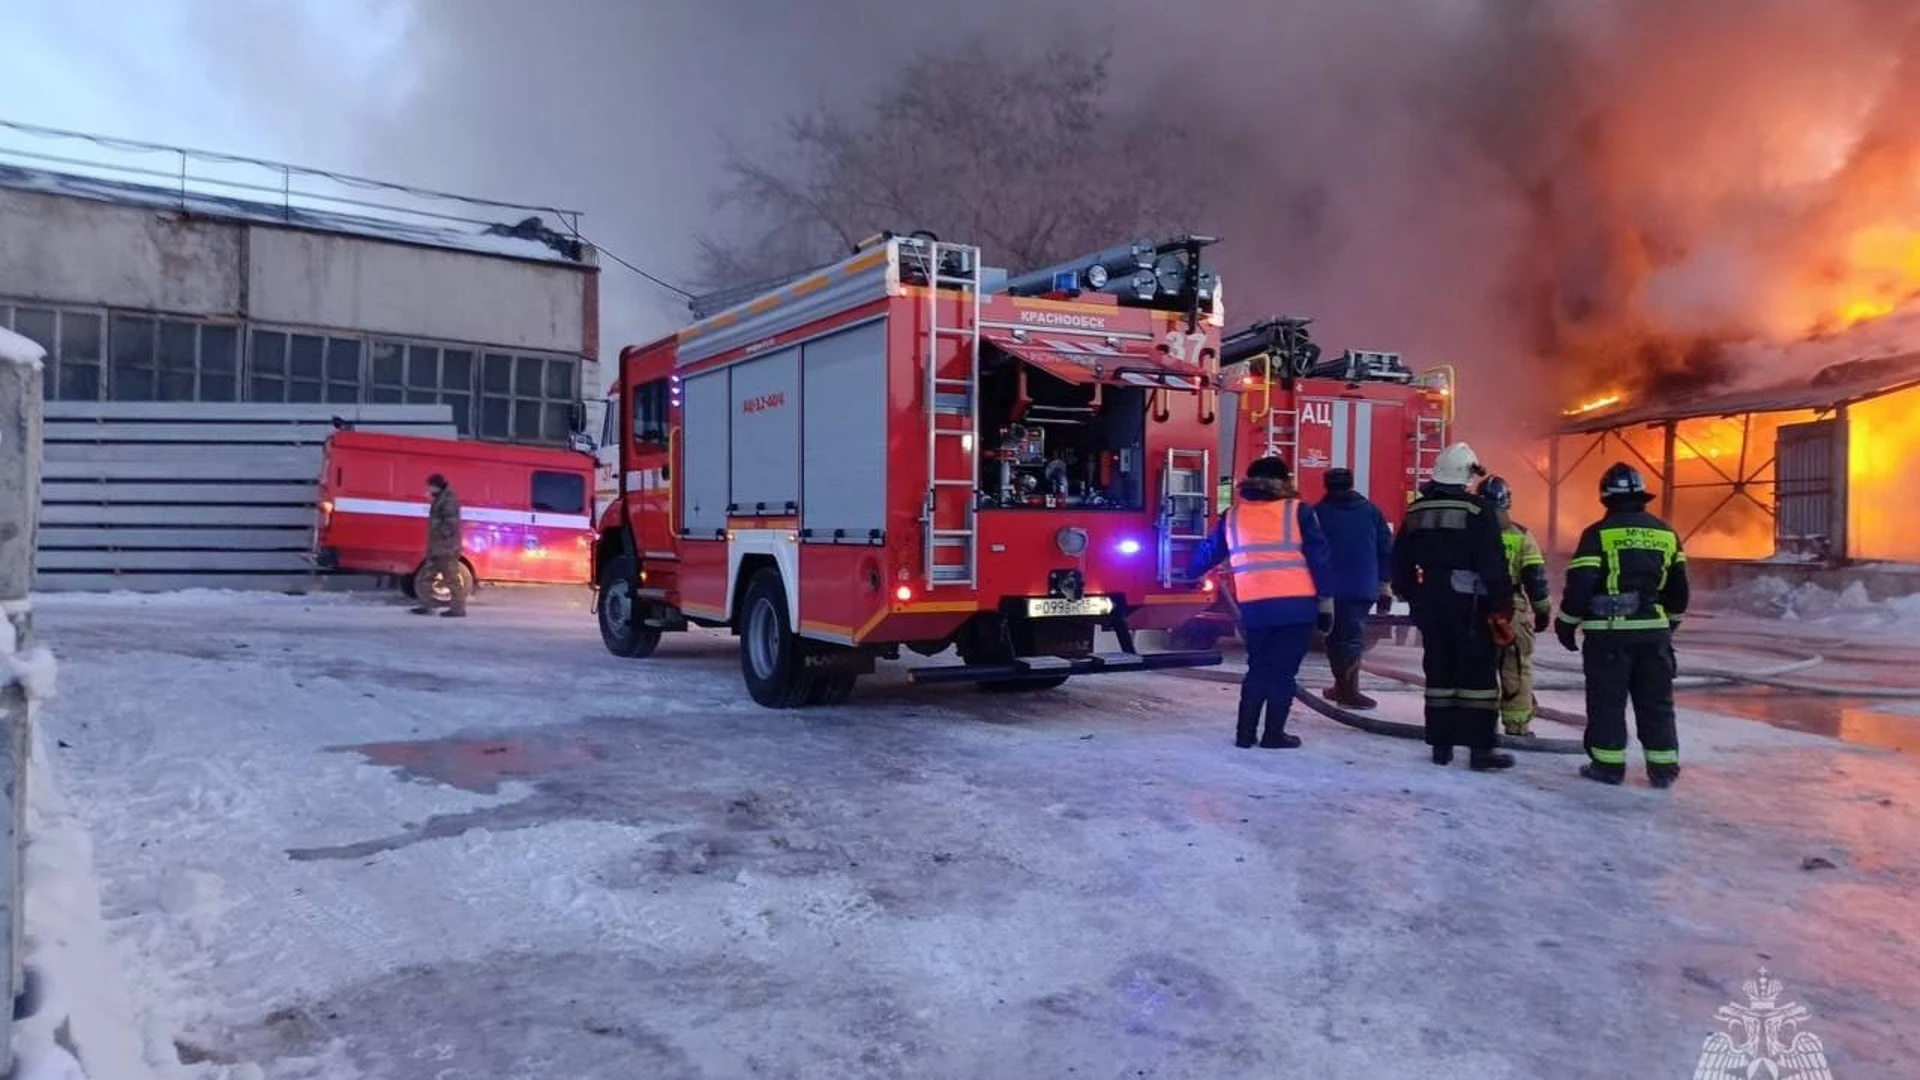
<point>1283,434</point>
<point>1429,438</point>
<point>952,395</point>
<point>1185,494</point>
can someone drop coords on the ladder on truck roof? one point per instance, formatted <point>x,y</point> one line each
<point>951,391</point>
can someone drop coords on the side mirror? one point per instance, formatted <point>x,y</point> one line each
<point>577,416</point>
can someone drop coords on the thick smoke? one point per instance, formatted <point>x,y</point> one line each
<point>1557,196</point>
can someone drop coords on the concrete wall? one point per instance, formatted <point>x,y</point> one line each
<point>87,252</point>
<point>80,251</point>
<point>314,279</point>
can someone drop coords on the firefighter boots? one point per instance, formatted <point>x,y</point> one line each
<point>1443,755</point>
<point>1489,760</point>
<point>1662,776</point>
<point>1279,740</point>
<point>1602,774</point>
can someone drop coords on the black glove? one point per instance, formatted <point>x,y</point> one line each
<point>1564,631</point>
<point>1541,617</point>
<point>1324,620</point>
<point>1385,605</point>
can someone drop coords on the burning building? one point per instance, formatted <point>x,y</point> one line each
<point>1818,470</point>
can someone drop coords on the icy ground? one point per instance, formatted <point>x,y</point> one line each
<point>333,840</point>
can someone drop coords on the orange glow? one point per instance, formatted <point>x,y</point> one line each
<point>1595,404</point>
<point>1883,441</point>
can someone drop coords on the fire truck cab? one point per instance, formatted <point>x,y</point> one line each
<point>909,450</point>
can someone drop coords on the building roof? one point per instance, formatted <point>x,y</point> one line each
<point>1829,388</point>
<point>530,239</point>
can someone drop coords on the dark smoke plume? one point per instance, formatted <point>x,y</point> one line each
<point>1554,195</point>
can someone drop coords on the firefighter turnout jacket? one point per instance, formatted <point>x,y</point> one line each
<point>1627,577</point>
<point>1526,566</point>
<point>1448,552</point>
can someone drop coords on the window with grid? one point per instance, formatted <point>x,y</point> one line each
<point>527,398</point>
<point>153,358</point>
<point>423,373</point>
<point>76,344</point>
<point>286,365</point>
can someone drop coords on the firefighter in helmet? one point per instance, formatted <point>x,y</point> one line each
<point>1282,587</point>
<point>1528,569</point>
<point>1449,566</point>
<point>1627,590</point>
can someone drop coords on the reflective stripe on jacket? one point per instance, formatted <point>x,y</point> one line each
<point>1265,553</point>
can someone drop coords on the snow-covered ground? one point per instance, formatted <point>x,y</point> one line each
<point>333,840</point>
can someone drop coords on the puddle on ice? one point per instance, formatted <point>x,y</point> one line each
<point>481,765</point>
<point>1863,721</point>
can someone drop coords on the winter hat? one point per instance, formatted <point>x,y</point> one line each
<point>1339,479</point>
<point>1273,467</point>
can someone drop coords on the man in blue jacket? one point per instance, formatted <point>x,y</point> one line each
<point>1362,544</point>
<point>1282,582</point>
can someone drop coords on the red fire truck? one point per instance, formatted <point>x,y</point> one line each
<point>524,509</point>
<point>1364,411</point>
<point>909,449</point>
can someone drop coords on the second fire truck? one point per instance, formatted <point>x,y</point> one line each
<point>910,451</point>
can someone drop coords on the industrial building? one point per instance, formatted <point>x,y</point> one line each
<point>187,293</point>
<point>1818,473</point>
<point>208,321</point>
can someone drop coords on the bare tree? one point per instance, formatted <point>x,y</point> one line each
<point>1023,153</point>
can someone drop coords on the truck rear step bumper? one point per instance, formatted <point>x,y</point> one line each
<point>1052,667</point>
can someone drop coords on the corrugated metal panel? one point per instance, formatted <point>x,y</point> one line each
<point>859,280</point>
<point>765,472</point>
<point>162,495</point>
<point>1804,487</point>
<point>844,415</point>
<point>704,452</point>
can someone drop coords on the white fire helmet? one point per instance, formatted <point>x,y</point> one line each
<point>1455,465</point>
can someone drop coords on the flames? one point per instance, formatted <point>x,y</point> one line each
<point>1595,404</point>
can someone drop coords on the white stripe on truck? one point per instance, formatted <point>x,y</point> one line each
<point>489,515</point>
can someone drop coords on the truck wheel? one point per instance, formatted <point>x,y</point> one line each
<point>426,583</point>
<point>620,627</point>
<point>831,689</point>
<point>1023,686</point>
<point>769,649</point>
<point>1194,636</point>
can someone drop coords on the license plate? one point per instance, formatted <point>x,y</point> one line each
<point>1086,605</point>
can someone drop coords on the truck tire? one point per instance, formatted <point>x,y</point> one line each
<point>423,583</point>
<point>831,689</point>
<point>769,649</point>
<point>620,628</point>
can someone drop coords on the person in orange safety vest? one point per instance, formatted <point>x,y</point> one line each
<point>1282,572</point>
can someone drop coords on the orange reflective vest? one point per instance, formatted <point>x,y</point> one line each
<point>1263,544</point>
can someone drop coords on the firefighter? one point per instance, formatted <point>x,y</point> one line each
<point>1282,578</point>
<point>1527,567</point>
<point>1362,551</point>
<point>1448,564</point>
<point>443,550</point>
<point>1626,590</point>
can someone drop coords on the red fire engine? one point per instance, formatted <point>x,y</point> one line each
<point>524,509</point>
<point>1364,411</point>
<point>909,449</point>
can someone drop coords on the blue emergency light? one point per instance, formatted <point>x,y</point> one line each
<point>1066,281</point>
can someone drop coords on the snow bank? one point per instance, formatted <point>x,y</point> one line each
<point>15,349</point>
<point>80,1004</point>
<point>121,598</point>
<point>1806,602</point>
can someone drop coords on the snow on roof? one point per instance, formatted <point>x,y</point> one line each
<point>15,349</point>
<point>511,240</point>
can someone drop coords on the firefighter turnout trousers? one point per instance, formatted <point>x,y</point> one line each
<point>1517,702</point>
<point>1461,664</point>
<point>1635,666</point>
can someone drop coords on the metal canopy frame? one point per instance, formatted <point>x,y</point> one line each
<point>1739,483</point>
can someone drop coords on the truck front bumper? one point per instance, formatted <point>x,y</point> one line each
<point>1036,668</point>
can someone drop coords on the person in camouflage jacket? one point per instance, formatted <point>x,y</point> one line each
<point>443,551</point>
